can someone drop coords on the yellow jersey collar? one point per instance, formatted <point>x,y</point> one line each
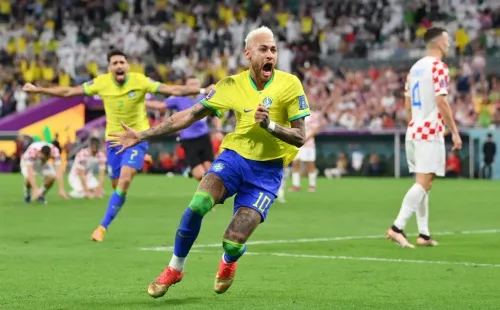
<point>254,86</point>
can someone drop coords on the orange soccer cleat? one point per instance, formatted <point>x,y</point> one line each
<point>424,240</point>
<point>294,189</point>
<point>98,234</point>
<point>167,278</point>
<point>399,237</point>
<point>225,276</point>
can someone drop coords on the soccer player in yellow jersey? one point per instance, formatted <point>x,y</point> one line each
<point>123,94</point>
<point>270,107</point>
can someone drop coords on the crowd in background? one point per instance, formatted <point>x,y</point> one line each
<point>64,42</point>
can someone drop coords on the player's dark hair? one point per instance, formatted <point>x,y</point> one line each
<point>116,53</point>
<point>46,150</point>
<point>433,33</point>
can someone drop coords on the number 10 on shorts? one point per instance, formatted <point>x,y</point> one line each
<point>262,202</point>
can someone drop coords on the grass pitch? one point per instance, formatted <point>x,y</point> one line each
<point>321,250</point>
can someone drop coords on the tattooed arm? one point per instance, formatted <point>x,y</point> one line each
<point>296,135</point>
<point>176,122</point>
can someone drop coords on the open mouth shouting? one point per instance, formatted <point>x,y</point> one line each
<point>267,70</point>
<point>120,75</point>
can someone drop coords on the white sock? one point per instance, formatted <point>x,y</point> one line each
<point>411,202</point>
<point>423,216</point>
<point>296,179</point>
<point>281,191</point>
<point>312,179</point>
<point>177,262</point>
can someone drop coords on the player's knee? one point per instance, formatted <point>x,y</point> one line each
<point>201,203</point>
<point>49,179</point>
<point>232,248</point>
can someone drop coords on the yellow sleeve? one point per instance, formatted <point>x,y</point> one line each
<point>219,99</point>
<point>150,85</point>
<point>92,87</point>
<point>296,101</point>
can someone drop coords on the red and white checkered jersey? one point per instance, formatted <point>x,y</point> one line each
<point>428,79</point>
<point>32,154</point>
<point>313,122</point>
<point>87,162</point>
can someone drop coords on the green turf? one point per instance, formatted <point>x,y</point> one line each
<point>48,262</point>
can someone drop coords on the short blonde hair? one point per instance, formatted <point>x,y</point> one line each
<point>256,32</point>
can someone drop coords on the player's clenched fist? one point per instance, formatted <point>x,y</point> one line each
<point>457,142</point>
<point>29,88</point>
<point>262,116</point>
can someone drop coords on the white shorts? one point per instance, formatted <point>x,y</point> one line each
<point>45,170</point>
<point>426,157</point>
<point>306,154</point>
<point>76,184</point>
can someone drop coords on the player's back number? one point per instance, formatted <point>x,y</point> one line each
<point>415,96</point>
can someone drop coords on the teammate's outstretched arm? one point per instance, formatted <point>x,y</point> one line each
<point>182,90</point>
<point>296,135</point>
<point>174,123</point>
<point>55,91</point>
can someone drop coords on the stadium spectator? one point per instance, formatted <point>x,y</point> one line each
<point>453,167</point>
<point>341,167</point>
<point>489,152</point>
<point>374,167</point>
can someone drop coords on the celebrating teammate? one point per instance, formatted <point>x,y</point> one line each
<point>123,95</point>
<point>270,107</point>
<point>36,159</point>
<point>196,138</point>
<point>426,93</point>
<point>81,176</point>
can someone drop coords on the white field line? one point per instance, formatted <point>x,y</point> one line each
<point>356,258</point>
<point>328,239</point>
<point>379,259</point>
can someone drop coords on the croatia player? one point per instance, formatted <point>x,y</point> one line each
<point>123,95</point>
<point>37,159</point>
<point>307,153</point>
<point>426,100</point>
<point>270,107</point>
<point>81,176</point>
<point>195,139</point>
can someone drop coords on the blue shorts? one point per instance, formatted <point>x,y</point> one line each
<point>132,157</point>
<point>255,183</point>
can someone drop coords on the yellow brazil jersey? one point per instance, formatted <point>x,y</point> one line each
<point>123,103</point>
<point>283,96</point>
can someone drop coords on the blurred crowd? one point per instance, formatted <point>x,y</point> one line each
<point>64,42</point>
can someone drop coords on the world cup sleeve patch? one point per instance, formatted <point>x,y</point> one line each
<point>302,102</point>
<point>210,94</point>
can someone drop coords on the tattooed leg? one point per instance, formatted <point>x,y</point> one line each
<point>237,233</point>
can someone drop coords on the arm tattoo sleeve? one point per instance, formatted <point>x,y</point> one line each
<point>296,135</point>
<point>176,122</point>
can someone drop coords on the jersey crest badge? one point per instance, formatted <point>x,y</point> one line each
<point>217,167</point>
<point>267,102</point>
<point>131,94</point>
<point>302,102</point>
